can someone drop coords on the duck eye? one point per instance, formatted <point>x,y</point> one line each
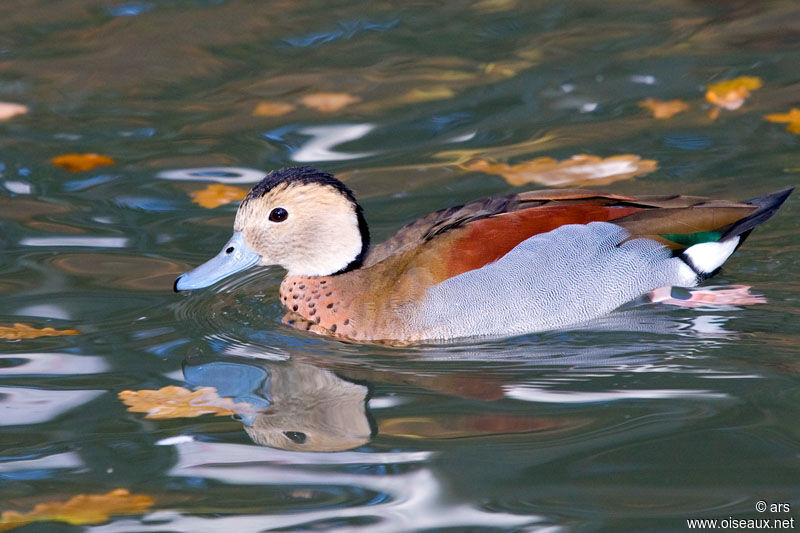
<point>298,437</point>
<point>278,214</point>
<point>229,250</point>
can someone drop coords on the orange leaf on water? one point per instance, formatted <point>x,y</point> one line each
<point>731,94</point>
<point>178,402</point>
<point>664,109</point>
<point>578,169</point>
<point>272,109</point>
<point>81,509</point>
<point>329,102</point>
<point>217,194</point>
<point>792,118</point>
<point>81,162</point>
<point>23,331</point>
<point>8,110</point>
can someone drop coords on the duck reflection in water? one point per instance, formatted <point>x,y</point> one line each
<point>307,404</point>
<point>299,406</point>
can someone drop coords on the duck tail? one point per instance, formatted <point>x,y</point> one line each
<point>706,258</point>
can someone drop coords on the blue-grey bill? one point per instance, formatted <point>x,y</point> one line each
<point>234,257</point>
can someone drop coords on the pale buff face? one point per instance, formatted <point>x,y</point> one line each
<point>319,236</point>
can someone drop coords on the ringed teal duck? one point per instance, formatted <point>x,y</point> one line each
<point>514,264</point>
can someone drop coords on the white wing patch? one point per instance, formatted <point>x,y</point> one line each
<point>706,257</point>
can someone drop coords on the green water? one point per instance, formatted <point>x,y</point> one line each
<point>653,416</point>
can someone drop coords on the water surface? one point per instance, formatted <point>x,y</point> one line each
<point>652,416</point>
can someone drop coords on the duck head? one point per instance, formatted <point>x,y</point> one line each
<point>302,219</point>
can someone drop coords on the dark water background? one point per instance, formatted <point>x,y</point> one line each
<point>654,416</point>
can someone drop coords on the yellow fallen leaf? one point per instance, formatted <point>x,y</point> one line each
<point>731,94</point>
<point>494,6</point>
<point>664,109</point>
<point>506,69</point>
<point>23,331</point>
<point>80,162</point>
<point>272,109</point>
<point>8,110</point>
<point>413,96</point>
<point>424,95</point>
<point>81,509</point>
<point>792,118</point>
<point>577,169</point>
<point>178,402</point>
<point>329,102</point>
<point>217,194</point>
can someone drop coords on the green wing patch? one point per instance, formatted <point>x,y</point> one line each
<point>690,239</point>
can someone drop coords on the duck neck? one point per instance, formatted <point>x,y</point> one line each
<point>363,230</point>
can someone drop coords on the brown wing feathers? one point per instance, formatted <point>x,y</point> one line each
<point>483,231</point>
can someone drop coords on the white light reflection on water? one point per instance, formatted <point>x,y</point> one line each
<point>324,138</point>
<point>18,187</point>
<point>53,363</point>
<point>417,498</point>
<point>91,242</point>
<point>26,406</point>
<point>67,460</point>
<point>536,394</point>
<point>215,174</point>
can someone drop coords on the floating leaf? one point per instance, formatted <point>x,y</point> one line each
<point>664,109</point>
<point>178,402</point>
<point>329,102</point>
<point>23,331</point>
<point>424,95</point>
<point>217,194</point>
<point>81,162</point>
<point>272,109</point>
<point>506,69</point>
<point>792,118</point>
<point>579,168</point>
<point>81,509</point>
<point>494,6</point>
<point>735,295</point>
<point>731,94</point>
<point>9,110</point>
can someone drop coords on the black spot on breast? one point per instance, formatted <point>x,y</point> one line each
<point>302,287</point>
<point>346,321</point>
<point>312,312</point>
<point>294,307</point>
<point>312,305</point>
<point>295,296</point>
<point>333,328</point>
<point>329,305</point>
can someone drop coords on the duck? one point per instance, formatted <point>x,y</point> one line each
<point>495,267</point>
